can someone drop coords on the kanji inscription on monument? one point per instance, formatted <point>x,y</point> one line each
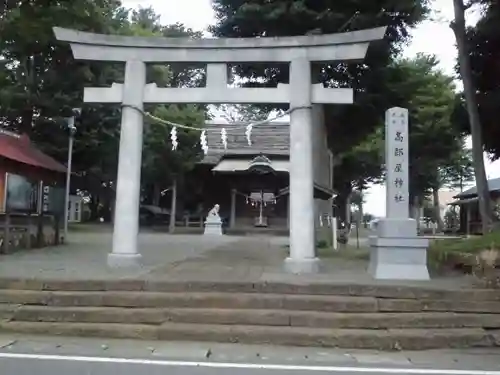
<point>396,122</point>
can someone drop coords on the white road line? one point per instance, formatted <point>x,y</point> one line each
<point>247,366</point>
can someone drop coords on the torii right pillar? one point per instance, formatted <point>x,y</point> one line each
<point>397,252</point>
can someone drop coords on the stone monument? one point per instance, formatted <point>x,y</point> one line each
<point>397,252</point>
<point>213,223</point>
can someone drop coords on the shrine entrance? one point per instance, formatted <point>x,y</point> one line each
<point>309,159</point>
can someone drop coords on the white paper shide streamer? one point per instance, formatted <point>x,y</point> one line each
<point>203,141</point>
<point>173,138</point>
<point>223,137</point>
<point>248,133</point>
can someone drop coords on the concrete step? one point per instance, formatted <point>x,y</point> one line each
<point>226,300</point>
<point>190,300</point>
<point>157,316</point>
<point>377,290</point>
<point>455,305</point>
<point>392,339</point>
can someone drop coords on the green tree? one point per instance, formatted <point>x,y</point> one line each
<point>356,168</point>
<point>348,126</point>
<point>44,78</point>
<point>459,170</point>
<point>484,42</point>
<point>162,167</point>
<point>41,82</point>
<point>472,109</point>
<point>436,146</point>
<point>161,164</point>
<point>453,171</point>
<point>451,219</point>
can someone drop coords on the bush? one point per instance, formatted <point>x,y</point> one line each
<point>479,255</point>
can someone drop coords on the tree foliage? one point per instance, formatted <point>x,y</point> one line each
<point>477,101</point>
<point>259,18</point>
<point>350,126</point>
<point>434,143</point>
<point>484,42</point>
<point>40,83</point>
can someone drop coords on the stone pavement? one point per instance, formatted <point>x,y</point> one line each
<point>471,359</point>
<point>85,256</point>
<point>188,258</point>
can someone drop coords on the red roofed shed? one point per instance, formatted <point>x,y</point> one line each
<point>18,155</point>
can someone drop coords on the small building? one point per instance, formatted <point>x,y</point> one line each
<point>30,181</point>
<point>468,203</point>
<point>76,208</point>
<point>250,182</point>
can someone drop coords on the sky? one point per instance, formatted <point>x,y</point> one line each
<point>430,37</point>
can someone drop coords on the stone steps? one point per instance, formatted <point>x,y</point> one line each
<point>313,319</point>
<point>338,289</point>
<point>333,303</point>
<point>349,316</point>
<point>190,299</point>
<point>397,339</point>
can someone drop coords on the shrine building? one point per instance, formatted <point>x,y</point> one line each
<point>251,182</point>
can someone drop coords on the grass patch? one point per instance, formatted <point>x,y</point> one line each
<point>89,227</point>
<point>467,245</point>
<point>350,252</point>
<point>461,252</point>
<point>345,252</point>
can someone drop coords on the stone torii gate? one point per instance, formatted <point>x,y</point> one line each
<point>300,93</point>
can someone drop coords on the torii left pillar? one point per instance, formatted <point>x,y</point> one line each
<point>126,228</point>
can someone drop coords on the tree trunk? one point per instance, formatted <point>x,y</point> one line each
<point>112,210</point>
<point>437,209</point>
<point>361,213</point>
<point>173,208</point>
<point>483,193</point>
<point>342,203</point>
<point>416,211</point>
<point>94,208</point>
<point>112,202</point>
<point>348,214</point>
<point>156,194</point>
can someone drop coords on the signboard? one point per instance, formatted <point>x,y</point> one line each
<point>52,199</point>
<point>21,194</point>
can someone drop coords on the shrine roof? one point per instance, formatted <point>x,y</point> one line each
<point>269,139</point>
<point>19,148</point>
<point>493,185</point>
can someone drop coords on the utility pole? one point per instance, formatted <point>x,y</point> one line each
<point>72,130</point>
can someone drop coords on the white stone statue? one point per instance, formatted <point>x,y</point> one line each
<point>213,223</point>
<point>214,213</point>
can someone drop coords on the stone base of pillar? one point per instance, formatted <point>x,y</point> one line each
<point>302,266</point>
<point>118,260</point>
<point>398,258</point>
<point>213,228</point>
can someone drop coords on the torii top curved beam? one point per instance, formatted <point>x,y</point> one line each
<point>329,47</point>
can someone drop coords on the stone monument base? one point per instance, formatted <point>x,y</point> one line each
<point>302,266</point>
<point>119,260</point>
<point>213,227</point>
<point>398,258</point>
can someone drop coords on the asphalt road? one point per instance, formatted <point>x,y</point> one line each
<point>21,364</point>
